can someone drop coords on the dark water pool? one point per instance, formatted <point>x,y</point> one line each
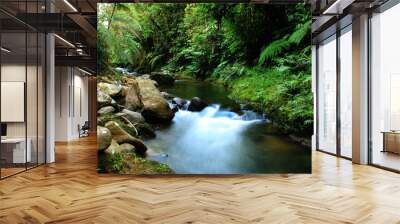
<point>219,141</point>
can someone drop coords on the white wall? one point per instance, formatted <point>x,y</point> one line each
<point>12,73</point>
<point>62,82</point>
<point>71,102</point>
<point>80,110</point>
<point>17,73</point>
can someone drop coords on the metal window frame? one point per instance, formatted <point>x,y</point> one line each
<point>44,75</point>
<point>386,6</point>
<point>339,32</point>
<point>381,9</point>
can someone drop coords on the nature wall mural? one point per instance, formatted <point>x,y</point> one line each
<point>204,88</point>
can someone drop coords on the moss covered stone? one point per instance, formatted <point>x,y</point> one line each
<point>121,136</point>
<point>130,163</point>
<point>143,130</point>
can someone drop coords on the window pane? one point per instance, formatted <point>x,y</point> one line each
<point>385,114</point>
<point>14,153</point>
<point>22,88</point>
<point>31,97</point>
<point>41,99</point>
<point>346,92</point>
<point>327,95</point>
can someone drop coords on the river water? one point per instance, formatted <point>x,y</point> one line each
<point>224,139</point>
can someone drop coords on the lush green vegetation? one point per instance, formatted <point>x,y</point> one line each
<point>128,163</point>
<point>261,52</point>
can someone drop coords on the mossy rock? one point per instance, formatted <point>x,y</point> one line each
<point>155,108</point>
<point>103,138</point>
<point>121,136</point>
<point>103,99</point>
<point>144,130</point>
<point>103,119</point>
<point>145,166</point>
<point>106,110</point>
<point>110,89</point>
<point>130,163</point>
<point>133,116</point>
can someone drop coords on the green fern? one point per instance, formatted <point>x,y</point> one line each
<point>277,47</point>
<point>273,49</point>
<point>302,30</point>
<point>153,61</point>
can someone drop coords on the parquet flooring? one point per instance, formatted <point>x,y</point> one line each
<point>70,191</point>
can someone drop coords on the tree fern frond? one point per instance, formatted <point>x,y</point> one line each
<point>153,61</point>
<point>302,30</point>
<point>273,49</point>
<point>276,47</point>
<point>123,7</point>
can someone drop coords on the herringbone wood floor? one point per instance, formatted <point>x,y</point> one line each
<point>70,191</point>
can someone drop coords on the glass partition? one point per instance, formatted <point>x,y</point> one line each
<point>32,97</point>
<point>14,146</point>
<point>385,89</point>
<point>346,92</point>
<point>327,95</point>
<point>22,77</point>
<point>41,97</point>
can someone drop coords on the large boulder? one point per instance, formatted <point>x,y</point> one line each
<point>110,89</point>
<point>121,136</point>
<point>133,99</point>
<point>133,116</point>
<point>106,110</point>
<point>197,104</point>
<point>103,99</point>
<point>162,78</point>
<point>155,107</point>
<point>103,138</point>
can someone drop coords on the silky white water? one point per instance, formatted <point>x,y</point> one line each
<point>219,141</point>
<point>212,135</point>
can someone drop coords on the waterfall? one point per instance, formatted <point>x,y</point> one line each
<point>223,138</point>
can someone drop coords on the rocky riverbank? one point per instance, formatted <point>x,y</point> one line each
<point>129,111</point>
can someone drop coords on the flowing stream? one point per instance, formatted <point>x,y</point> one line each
<point>220,141</point>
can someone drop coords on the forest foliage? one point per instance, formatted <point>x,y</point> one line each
<point>262,53</point>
